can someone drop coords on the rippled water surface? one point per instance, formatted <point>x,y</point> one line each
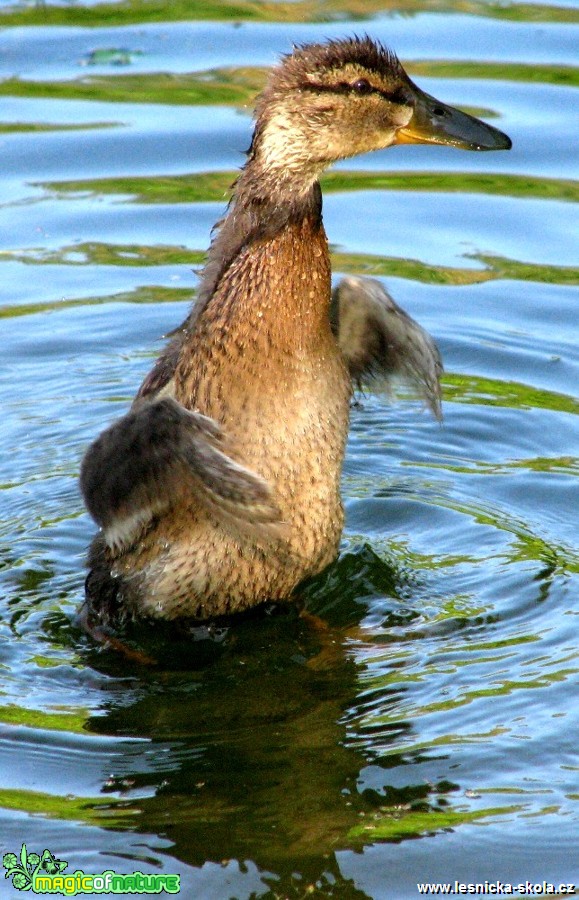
<point>427,731</point>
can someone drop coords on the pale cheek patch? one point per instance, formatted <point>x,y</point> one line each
<point>282,144</point>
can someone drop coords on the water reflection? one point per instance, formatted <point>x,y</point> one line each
<point>250,753</point>
<point>248,756</point>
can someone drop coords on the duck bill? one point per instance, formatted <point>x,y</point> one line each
<point>434,122</point>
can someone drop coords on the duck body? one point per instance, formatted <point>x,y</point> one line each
<point>281,394</point>
<point>220,489</point>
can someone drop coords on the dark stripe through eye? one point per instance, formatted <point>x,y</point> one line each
<point>362,87</point>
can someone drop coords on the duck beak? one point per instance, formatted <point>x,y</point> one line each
<point>434,122</point>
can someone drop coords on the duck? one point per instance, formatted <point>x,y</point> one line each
<point>219,489</point>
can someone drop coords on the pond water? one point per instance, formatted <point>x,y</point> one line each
<point>428,731</point>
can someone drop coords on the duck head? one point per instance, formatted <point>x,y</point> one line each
<point>326,102</point>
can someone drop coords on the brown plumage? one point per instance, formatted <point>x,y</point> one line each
<point>220,489</point>
<point>381,342</point>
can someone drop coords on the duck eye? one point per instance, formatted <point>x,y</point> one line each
<point>362,86</point>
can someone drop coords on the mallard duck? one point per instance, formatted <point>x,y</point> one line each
<point>220,488</point>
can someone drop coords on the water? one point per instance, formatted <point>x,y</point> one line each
<point>428,731</point>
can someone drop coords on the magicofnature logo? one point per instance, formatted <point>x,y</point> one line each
<point>43,874</point>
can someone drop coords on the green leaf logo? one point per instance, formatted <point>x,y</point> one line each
<point>23,870</point>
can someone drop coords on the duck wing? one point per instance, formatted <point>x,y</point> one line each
<point>380,341</point>
<point>161,455</point>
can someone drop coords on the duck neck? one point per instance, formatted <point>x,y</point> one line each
<point>275,189</point>
<point>265,298</point>
<point>266,280</point>
<point>269,271</point>
<point>264,331</point>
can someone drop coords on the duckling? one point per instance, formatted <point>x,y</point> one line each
<point>220,488</point>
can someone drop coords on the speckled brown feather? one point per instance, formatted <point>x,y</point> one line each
<point>281,395</point>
